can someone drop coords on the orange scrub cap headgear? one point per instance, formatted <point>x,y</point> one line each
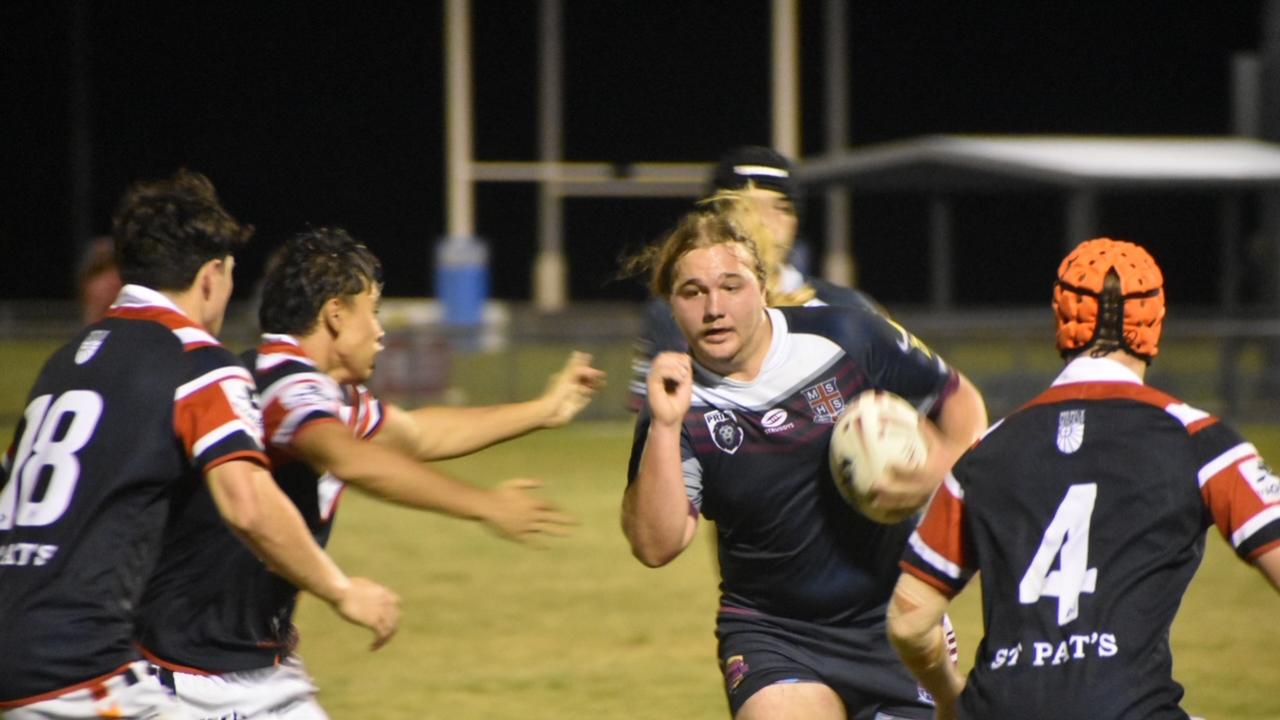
<point>1079,287</point>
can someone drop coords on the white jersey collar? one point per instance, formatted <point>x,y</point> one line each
<point>778,343</point>
<point>142,296</point>
<point>280,338</point>
<point>1090,369</point>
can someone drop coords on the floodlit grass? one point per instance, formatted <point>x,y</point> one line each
<point>20,362</point>
<point>581,630</point>
<point>493,630</point>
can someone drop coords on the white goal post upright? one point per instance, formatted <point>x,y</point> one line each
<point>459,153</point>
<point>557,179</point>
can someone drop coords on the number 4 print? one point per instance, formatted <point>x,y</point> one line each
<point>1067,537</point>
<point>39,449</point>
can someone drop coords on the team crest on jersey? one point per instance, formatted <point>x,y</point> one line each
<point>1264,482</point>
<point>306,393</point>
<point>1070,431</point>
<point>825,400</point>
<point>725,432</point>
<point>90,345</point>
<point>243,399</point>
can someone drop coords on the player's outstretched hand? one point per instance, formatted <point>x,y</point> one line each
<point>571,389</point>
<point>517,514</point>
<point>369,604</point>
<point>670,387</point>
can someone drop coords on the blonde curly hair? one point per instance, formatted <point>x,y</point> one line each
<point>725,217</point>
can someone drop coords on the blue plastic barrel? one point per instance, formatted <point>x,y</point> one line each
<point>462,279</point>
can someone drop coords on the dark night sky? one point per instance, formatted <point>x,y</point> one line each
<point>319,113</point>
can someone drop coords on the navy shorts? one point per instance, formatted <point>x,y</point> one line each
<point>856,662</point>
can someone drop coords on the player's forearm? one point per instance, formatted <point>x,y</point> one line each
<point>915,630</point>
<point>388,473</point>
<point>927,658</point>
<point>446,432</point>
<point>288,548</point>
<point>656,514</point>
<point>962,421</point>
<point>397,478</point>
<point>1269,564</point>
<point>267,522</point>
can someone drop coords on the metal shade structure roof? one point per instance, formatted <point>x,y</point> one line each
<point>1079,168</point>
<point>960,163</point>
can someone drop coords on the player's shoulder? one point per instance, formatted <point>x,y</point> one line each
<point>293,382</point>
<point>839,295</point>
<point>659,331</point>
<point>143,339</point>
<point>844,325</point>
<point>272,363</point>
<point>213,358</point>
<point>1192,419</point>
<point>151,345</point>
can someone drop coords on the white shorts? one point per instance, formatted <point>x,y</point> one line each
<point>131,693</point>
<point>283,692</point>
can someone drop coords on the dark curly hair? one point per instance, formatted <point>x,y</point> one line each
<point>165,230</point>
<point>313,267</point>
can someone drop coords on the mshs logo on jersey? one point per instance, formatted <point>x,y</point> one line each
<point>725,432</point>
<point>825,400</point>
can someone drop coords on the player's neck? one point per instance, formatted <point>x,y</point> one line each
<point>195,306</point>
<point>318,346</point>
<point>1134,364</point>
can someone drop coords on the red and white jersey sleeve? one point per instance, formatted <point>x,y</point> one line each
<point>297,399</point>
<point>295,393</point>
<point>361,411</point>
<point>216,415</point>
<point>1241,493</point>
<point>936,552</point>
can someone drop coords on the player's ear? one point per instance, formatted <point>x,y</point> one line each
<point>333,315</point>
<point>207,277</point>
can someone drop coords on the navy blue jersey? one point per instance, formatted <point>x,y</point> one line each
<point>121,420</point>
<point>212,606</point>
<point>660,332</point>
<point>755,462</point>
<point>1086,512</point>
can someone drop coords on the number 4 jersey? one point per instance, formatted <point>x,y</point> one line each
<point>1086,512</point>
<point>122,419</point>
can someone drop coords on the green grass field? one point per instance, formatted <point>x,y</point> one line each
<point>494,631</point>
<point>581,630</point>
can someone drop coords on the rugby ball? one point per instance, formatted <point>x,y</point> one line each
<point>877,432</point>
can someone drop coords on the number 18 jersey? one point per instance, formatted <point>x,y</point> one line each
<point>1086,512</point>
<point>122,418</point>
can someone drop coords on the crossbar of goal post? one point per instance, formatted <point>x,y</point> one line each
<point>558,180</point>
<point>600,179</point>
